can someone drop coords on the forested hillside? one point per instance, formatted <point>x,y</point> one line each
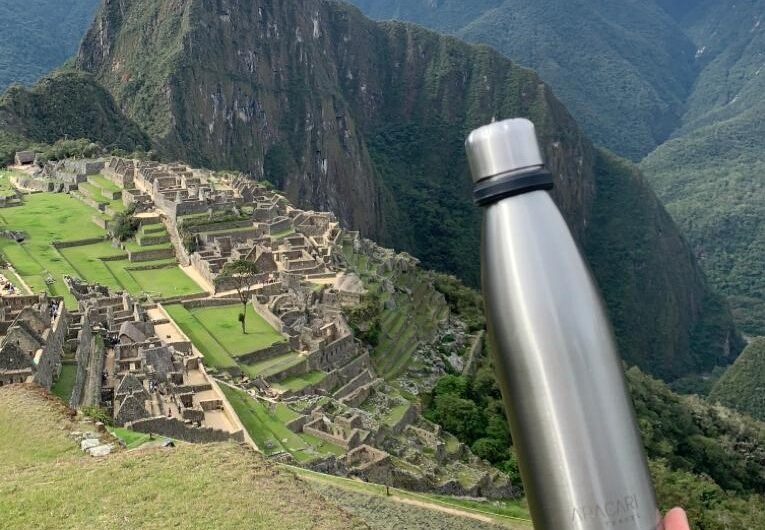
<point>623,69</point>
<point>39,35</point>
<point>742,385</point>
<point>635,72</point>
<point>712,174</point>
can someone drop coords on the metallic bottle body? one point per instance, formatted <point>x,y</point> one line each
<point>572,421</point>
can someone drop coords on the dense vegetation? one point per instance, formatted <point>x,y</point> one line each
<point>39,35</point>
<point>708,459</point>
<point>742,386</point>
<point>65,105</point>
<point>641,71</point>
<point>711,175</point>
<point>704,457</point>
<point>627,81</point>
<point>629,256</point>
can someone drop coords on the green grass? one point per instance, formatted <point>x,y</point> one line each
<point>283,234</point>
<point>46,217</point>
<point>48,482</point>
<point>510,514</point>
<point>268,431</point>
<point>65,383</point>
<point>165,282</point>
<point>131,439</point>
<point>396,413</point>
<point>214,353</point>
<point>272,366</point>
<point>222,323</point>
<point>6,189</point>
<point>104,183</point>
<point>299,382</point>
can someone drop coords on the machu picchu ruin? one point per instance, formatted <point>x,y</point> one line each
<point>153,328</point>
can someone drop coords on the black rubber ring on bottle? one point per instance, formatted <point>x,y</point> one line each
<point>496,189</point>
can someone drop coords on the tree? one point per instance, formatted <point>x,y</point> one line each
<point>242,273</point>
<point>125,224</point>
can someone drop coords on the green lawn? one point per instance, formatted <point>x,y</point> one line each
<point>6,189</point>
<point>131,439</point>
<point>222,323</point>
<point>299,382</point>
<point>48,482</point>
<point>272,366</point>
<point>214,353</point>
<point>47,217</point>
<point>268,431</point>
<point>65,384</point>
<point>104,183</point>
<point>216,332</point>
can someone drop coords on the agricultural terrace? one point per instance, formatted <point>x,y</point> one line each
<point>6,189</point>
<point>216,332</point>
<point>48,217</point>
<point>265,422</point>
<point>414,318</point>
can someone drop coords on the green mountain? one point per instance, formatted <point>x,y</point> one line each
<point>368,119</point>
<point>39,35</point>
<point>642,71</point>
<point>66,104</point>
<point>623,69</point>
<point>711,174</point>
<point>742,386</point>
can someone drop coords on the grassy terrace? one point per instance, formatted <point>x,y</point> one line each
<point>48,483</point>
<point>131,439</point>
<point>48,217</point>
<point>299,382</point>
<point>5,183</point>
<point>266,427</point>
<point>95,193</point>
<point>65,384</point>
<point>216,332</point>
<point>404,327</point>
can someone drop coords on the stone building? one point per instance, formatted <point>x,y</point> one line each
<point>33,331</point>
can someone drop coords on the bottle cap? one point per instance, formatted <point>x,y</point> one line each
<point>503,147</point>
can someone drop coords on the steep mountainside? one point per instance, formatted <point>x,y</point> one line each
<point>368,120</point>
<point>742,386</point>
<point>712,174</point>
<point>67,104</point>
<point>39,35</point>
<point>627,80</point>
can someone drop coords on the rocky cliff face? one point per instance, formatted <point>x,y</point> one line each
<point>367,119</point>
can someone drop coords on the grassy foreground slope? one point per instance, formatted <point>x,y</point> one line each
<point>49,484</point>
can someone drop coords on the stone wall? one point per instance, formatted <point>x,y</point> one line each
<point>49,362</point>
<point>334,354</point>
<point>178,430</point>
<point>151,255</point>
<point>218,227</point>
<point>78,243</point>
<point>267,315</point>
<point>275,350</point>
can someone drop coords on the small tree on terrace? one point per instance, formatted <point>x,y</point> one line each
<point>242,273</point>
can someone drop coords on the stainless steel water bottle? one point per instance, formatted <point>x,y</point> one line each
<point>571,418</point>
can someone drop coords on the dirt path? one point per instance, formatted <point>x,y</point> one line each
<point>444,509</point>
